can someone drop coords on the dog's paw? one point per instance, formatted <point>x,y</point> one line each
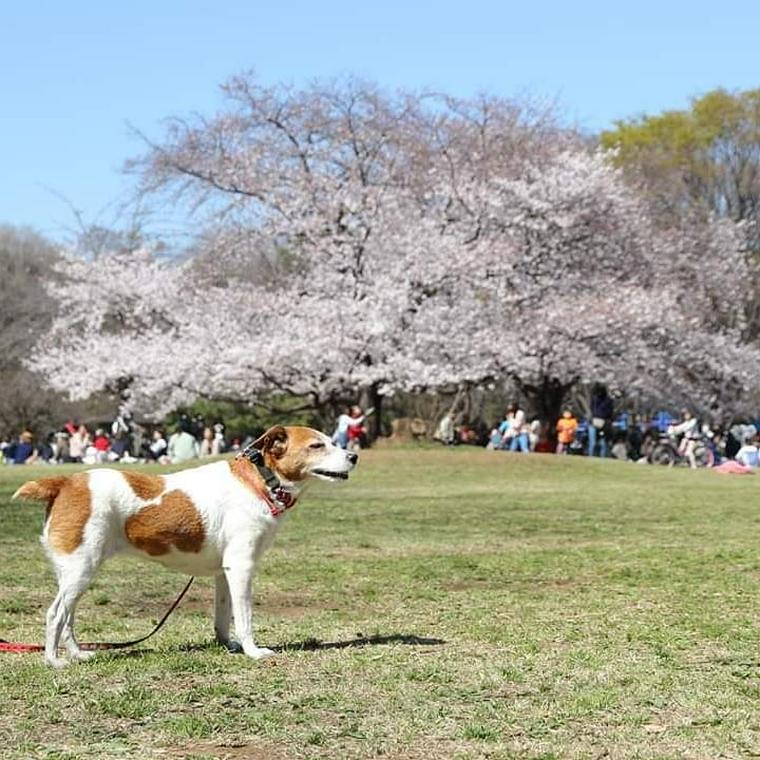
<point>259,653</point>
<point>82,655</point>
<point>56,662</point>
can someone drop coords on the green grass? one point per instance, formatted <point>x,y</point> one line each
<point>442,604</point>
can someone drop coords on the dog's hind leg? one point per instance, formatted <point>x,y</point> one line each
<point>76,653</point>
<point>74,576</point>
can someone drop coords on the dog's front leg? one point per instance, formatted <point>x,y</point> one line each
<point>223,615</point>
<point>239,578</point>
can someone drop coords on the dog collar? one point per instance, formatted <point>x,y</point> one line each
<point>277,497</point>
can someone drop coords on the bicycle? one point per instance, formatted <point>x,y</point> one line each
<point>667,452</point>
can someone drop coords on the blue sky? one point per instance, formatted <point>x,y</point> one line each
<point>72,75</point>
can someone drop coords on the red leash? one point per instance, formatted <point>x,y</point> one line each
<point>7,646</point>
<point>16,648</point>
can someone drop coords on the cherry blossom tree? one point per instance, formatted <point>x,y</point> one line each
<point>355,242</point>
<point>321,180</point>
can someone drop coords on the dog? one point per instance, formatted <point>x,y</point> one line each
<point>215,520</point>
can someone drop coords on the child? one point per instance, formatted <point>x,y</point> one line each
<point>566,427</point>
<point>494,439</point>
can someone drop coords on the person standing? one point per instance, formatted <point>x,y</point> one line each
<point>350,426</point>
<point>357,432</point>
<point>340,436</point>
<point>600,429</point>
<point>567,425</point>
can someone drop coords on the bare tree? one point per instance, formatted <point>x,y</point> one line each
<point>26,312</point>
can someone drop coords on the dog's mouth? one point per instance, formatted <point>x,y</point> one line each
<point>330,475</point>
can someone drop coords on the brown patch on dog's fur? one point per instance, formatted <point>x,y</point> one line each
<point>145,487</point>
<point>173,521</point>
<point>69,513</point>
<point>247,474</point>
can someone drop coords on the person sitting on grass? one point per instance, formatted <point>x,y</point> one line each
<point>445,432</point>
<point>157,447</point>
<point>210,444</point>
<point>749,454</point>
<point>516,430</point>
<point>494,439</point>
<point>745,462</point>
<point>102,444</point>
<point>79,442</point>
<point>182,447</point>
<point>24,452</point>
<point>505,431</point>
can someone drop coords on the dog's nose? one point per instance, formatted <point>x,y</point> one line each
<point>352,457</point>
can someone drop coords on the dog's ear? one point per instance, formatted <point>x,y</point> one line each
<point>274,441</point>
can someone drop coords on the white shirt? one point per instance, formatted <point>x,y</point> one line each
<point>345,421</point>
<point>687,428</point>
<point>748,455</point>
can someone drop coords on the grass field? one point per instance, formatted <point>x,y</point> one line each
<point>442,604</point>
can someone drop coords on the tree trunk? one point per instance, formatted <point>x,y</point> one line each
<point>545,402</point>
<point>370,398</point>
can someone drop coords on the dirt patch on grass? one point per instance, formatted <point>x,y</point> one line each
<point>276,604</point>
<point>471,585</point>
<point>255,750</point>
<point>291,606</point>
<point>481,584</point>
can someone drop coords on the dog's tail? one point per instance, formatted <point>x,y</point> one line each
<point>44,490</point>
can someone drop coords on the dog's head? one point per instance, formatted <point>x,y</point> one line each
<point>297,453</point>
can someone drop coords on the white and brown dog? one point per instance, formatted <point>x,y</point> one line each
<point>217,519</point>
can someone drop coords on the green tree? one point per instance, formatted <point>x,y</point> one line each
<point>702,159</point>
<point>707,156</point>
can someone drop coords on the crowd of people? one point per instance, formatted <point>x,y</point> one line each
<point>627,436</point>
<point>128,442</point>
<point>123,441</point>
<point>603,433</point>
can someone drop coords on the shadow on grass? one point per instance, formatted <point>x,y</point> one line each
<point>308,645</point>
<point>315,645</point>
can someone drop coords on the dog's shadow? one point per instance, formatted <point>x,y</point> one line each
<point>308,645</point>
<point>315,645</point>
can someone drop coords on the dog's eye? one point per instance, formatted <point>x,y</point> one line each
<point>317,445</point>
